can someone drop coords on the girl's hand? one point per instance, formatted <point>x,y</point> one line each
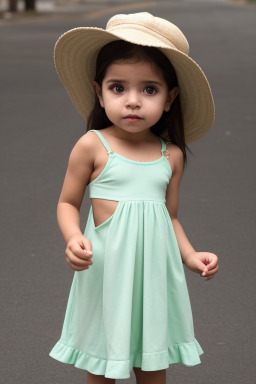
<point>79,252</point>
<point>204,263</point>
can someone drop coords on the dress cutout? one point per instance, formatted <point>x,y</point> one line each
<point>131,308</point>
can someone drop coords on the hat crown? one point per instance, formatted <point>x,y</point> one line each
<point>169,34</point>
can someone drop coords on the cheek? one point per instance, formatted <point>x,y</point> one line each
<point>112,108</point>
<point>113,104</point>
<point>157,106</point>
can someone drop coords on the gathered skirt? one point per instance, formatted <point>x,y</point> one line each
<point>131,308</point>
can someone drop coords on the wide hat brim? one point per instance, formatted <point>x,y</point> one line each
<point>75,55</point>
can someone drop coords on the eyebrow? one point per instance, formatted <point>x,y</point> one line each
<point>124,81</point>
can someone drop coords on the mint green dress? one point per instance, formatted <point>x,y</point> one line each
<point>131,308</point>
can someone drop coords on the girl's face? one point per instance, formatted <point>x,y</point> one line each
<point>134,95</point>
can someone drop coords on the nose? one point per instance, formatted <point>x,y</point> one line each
<point>133,100</point>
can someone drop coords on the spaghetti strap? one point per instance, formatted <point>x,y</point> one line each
<point>164,151</point>
<point>104,142</point>
<point>163,144</point>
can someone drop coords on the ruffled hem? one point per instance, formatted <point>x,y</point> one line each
<point>186,353</point>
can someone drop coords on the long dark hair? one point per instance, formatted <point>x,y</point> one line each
<point>121,50</point>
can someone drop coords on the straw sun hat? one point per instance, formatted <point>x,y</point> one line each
<point>76,52</point>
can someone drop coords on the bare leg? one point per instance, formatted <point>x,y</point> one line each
<point>150,377</point>
<point>98,379</point>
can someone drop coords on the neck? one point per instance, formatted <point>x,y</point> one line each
<point>132,137</point>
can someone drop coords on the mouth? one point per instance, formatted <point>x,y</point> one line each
<point>132,118</point>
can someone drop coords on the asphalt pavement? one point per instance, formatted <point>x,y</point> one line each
<point>39,127</point>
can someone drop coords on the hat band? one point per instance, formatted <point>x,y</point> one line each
<point>141,28</point>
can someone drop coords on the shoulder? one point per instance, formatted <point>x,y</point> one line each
<point>87,141</point>
<point>176,158</point>
<point>84,149</point>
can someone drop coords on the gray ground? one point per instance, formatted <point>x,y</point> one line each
<point>39,127</point>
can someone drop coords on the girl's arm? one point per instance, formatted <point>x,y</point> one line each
<point>80,168</point>
<point>200,262</point>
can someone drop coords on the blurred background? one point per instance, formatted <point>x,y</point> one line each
<point>40,126</point>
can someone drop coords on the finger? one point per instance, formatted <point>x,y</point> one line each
<point>201,266</point>
<point>213,263</point>
<point>88,253</point>
<point>78,269</point>
<point>76,260</point>
<point>211,272</point>
<point>75,267</point>
<point>87,246</point>
<point>79,252</point>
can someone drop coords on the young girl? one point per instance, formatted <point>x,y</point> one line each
<point>144,99</point>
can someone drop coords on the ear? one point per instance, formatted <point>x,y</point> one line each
<point>170,98</point>
<point>98,91</point>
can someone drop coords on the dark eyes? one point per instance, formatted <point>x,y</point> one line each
<point>150,90</point>
<point>120,89</point>
<point>117,88</point>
